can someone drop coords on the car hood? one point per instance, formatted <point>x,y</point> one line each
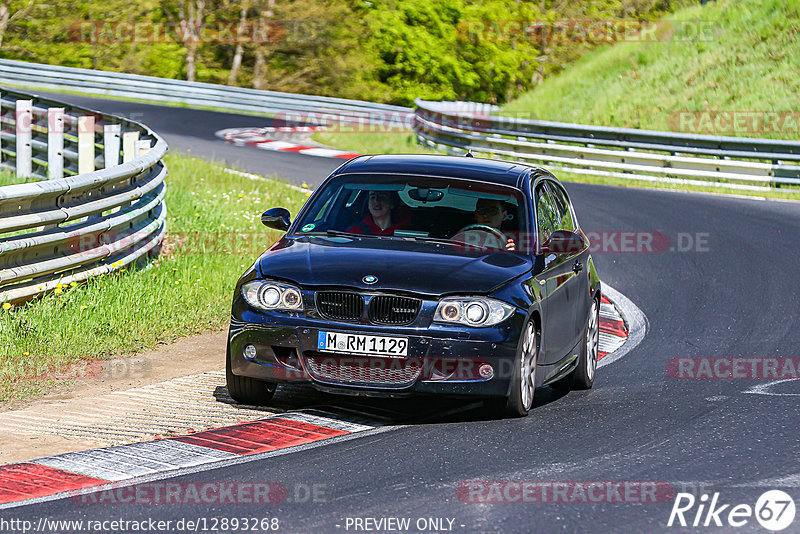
<point>419,267</point>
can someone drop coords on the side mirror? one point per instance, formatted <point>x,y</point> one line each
<point>277,218</point>
<point>563,242</point>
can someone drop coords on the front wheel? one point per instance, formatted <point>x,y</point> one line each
<point>246,390</point>
<point>523,380</point>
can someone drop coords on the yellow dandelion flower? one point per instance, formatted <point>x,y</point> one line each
<point>305,185</point>
<point>197,215</point>
<point>6,306</point>
<point>73,284</point>
<point>26,353</point>
<point>83,307</point>
<point>58,290</point>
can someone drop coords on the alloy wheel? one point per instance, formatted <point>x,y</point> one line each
<point>592,341</point>
<point>528,366</point>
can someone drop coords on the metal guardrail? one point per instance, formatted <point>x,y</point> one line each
<point>67,222</point>
<point>196,94</point>
<point>734,162</point>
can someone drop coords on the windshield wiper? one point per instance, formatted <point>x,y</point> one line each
<point>448,241</point>
<point>340,233</point>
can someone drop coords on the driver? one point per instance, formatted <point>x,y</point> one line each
<point>491,212</point>
<point>384,217</point>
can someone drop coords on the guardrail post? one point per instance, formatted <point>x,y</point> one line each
<point>24,122</point>
<point>129,140</point>
<point>85,144</point>
<point>142,147</point>
<point>55,143</point>
<point>111,142</point>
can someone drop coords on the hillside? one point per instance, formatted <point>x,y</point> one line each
<point>739,79</point>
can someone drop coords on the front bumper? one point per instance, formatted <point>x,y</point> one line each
<point>448,358</point>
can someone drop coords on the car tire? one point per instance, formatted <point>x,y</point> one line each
<point>583,375</point>
<point>523,380</point>
<point>246,390</point>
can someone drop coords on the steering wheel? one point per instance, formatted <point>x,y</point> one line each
<point>461,235</point>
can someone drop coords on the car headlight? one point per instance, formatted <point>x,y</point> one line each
<point>472,311</point>
<point>268,295</point>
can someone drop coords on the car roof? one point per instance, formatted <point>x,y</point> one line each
<point>486,170</point>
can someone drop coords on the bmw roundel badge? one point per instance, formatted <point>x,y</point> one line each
<point>369,279</point>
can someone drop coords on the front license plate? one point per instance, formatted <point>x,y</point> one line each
<point>362,344</point>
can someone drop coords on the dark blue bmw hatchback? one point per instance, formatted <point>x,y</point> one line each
<point>421,275</point>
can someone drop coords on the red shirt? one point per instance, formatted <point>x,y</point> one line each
<point>375,230</point>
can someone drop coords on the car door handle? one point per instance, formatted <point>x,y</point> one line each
<point>577,267</point>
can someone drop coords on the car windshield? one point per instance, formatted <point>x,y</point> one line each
<point>454,211</point>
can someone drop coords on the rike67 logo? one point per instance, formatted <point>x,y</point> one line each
<point>774,510</point>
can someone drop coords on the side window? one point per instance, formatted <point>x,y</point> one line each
<point>565,220</point>
<point>547,216</point>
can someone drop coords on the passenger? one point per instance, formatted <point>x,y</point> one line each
<point>385,215</point>
<point>490,212</point>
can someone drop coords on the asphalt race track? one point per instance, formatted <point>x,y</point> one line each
<point>733,296</point>
<point>192,131</point>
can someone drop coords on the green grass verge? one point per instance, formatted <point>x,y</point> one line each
<point>745,63</point>
<point>215,233</point>
<point>400,142</point>
<point>7,178</point>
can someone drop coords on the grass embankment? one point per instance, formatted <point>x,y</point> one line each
<point>726,56</point>
<point>742,63</point>
<point>215,233</point>
<point>746,60</point>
